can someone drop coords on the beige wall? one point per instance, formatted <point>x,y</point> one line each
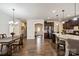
<point>56,25</point>
<point>24,28</point>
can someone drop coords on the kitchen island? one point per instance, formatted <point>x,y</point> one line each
<point>69,41</point>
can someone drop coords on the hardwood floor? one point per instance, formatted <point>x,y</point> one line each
<point>36,48</point>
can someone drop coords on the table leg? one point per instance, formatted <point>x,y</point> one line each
<point>9,50</point>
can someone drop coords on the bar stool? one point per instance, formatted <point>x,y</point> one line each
<point>60,44</point>
<point>73,46</point>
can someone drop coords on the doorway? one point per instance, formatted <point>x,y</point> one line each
<point>38,30</point>
<point>48,29</point>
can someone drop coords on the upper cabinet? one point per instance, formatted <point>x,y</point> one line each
<point>70,24</point>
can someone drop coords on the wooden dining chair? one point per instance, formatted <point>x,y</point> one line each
<point>2,36</point>
<point>3,51</point>
<point>73,46</point>
<point>18,44</point>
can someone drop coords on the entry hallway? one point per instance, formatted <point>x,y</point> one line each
<point>37,48</point>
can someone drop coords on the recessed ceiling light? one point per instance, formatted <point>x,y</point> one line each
<point>57,24</point>
<point>74,19</point>
<point>48,17</point>
<point>54,11</point>
<point>63,22</point>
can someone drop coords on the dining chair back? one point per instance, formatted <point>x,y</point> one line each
<point>0,36</point>
<point>3,36</point>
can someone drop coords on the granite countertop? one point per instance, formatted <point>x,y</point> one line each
<point>67,36</point>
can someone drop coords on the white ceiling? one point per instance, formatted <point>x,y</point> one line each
<point>39,10</point>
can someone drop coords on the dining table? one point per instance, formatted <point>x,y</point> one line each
<point>66,37</point>
<point>8,42</point>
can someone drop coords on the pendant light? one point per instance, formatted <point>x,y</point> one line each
<point>75,17</point>
<point>63,16</point>
<point>13,24</point>
<point>63,13</point>
<point>57,16</point>
<point>13,19</point>
<point>57,24</point>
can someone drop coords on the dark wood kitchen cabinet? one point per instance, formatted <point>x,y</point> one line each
<point>70,24</point>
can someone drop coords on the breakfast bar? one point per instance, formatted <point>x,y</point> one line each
<point>71,41</point>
